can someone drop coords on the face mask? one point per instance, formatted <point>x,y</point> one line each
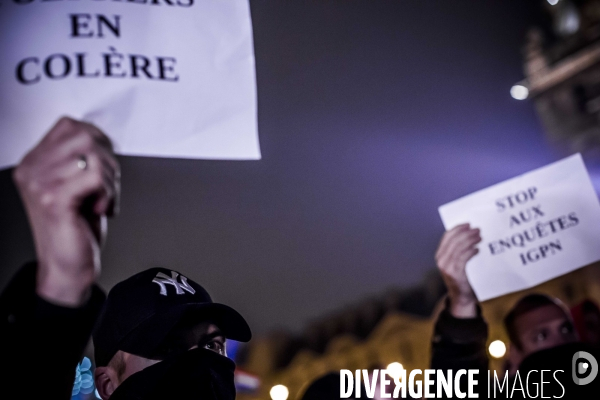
<point>196,374</point>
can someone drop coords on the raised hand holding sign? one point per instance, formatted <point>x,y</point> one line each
<point>164,78</point>
<point>534,227</point>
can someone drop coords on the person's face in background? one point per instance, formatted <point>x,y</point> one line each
<point>543,328</point>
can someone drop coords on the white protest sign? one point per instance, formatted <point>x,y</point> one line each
<point>166,78</point>
<point>534,227</point>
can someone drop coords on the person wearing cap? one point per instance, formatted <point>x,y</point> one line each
<point>145,331</point>
<point>158,334</point>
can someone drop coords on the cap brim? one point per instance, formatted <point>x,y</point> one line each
<point>148,335</point>
<point>231,323</point>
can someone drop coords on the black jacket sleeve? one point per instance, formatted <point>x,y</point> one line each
<point>40,342</point>
<point>460,343</point>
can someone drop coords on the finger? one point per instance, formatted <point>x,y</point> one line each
<point>452,237</point>
<point>449,235</point>
<point>106,155</point>
<point>91,182</point>
<point>459,245</point>
<point>100,136</point>
<point>457,267</point>
<point>95,132</point>
<point>108,163</point>
<point>76,144</point>
<point>105,204</point>
<point>458,260</point>
<point>44,173</point>
<point>96,162</point>
<point>105,196</point>
<point>104,199</point>
<point>467,255</point>
<point>469,239</point>
<point>109,158</point>
<point>64,126</point>
<point>70,136</point>
<point>115,207</point>
<point>62,170</point>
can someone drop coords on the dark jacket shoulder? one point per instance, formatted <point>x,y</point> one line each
<point>42,339</point>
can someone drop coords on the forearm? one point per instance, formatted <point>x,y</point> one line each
<point>463,305</point>
<point>63,287</point>
<point>60,278</point>
<point>459,343</point>
<point>67,203</point>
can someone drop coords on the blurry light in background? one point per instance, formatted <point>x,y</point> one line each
<point>279,392</point>
<point>245,382</point>
<point>394,369</point>
<point>497,349</point>
<point>519,92</point>
<point>553,2</point>
<point>568,20</point>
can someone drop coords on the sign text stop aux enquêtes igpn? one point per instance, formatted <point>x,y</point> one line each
<point>168,78</point>
<point>534,227</point>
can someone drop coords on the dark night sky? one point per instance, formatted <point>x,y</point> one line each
<point>371,114</point>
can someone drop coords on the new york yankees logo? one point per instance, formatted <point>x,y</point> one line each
<point>163,280</point>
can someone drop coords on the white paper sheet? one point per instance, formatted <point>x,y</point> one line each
<point>534,227</point>
<point>166,78</point>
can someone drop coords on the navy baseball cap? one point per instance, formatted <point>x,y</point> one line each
<point>140,312</point>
